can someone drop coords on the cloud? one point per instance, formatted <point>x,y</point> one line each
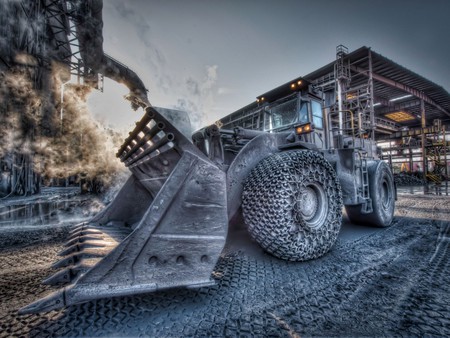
<point>123,9</point>
<point>153,57</point>
<point>193,86</point>
<point>211,77</point>
<point>194,91</point>
<point>198,97</point>
<point>224,91</point>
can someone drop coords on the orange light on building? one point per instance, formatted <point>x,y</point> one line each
<point>400,116</point>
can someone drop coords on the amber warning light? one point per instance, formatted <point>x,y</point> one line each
<point>304,128</point>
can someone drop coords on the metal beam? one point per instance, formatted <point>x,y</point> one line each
<point>383,101</point>
<point>401,86</point>
<point>399,106</point>
<point>413,132</point>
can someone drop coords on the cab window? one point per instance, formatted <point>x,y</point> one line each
<point>317,114</point>
<point>303,113</point>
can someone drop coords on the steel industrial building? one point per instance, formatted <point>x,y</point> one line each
<point>372,96</point>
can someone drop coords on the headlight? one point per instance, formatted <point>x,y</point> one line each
<point>304,128</point>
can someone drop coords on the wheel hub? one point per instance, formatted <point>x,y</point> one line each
<point>309,201</point>
<point>311,206</point>
<point>385,195</point>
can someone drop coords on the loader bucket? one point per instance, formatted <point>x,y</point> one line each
<point>166,228</point>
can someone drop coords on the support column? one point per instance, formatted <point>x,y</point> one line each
<point>445,150</point>
<point>372,112</point>
<point>390,155</point>
<point>424,155</point>
<point>410,159</point>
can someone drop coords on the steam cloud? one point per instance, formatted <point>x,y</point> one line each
<point>63,138</point>
<point>30,107</point>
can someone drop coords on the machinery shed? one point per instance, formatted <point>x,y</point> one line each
<point>407,114</point>
<point>395,89</point>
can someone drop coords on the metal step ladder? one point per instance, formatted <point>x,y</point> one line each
<point>363,190</point>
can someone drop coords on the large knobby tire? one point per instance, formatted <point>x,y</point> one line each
<point>292,205</point>
<point>382,193</point>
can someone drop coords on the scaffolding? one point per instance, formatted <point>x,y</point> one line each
<point>349,98</point>
<point>421,151</point>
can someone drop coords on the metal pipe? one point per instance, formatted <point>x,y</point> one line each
<point>139,127</point>
<point>247,133</point>
<point>149,133</point>
<point>328,129</point>
<point>340,106</point>
<point>165,139</point>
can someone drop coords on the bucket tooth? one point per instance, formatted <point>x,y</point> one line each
<point>96,230</point>
<point>53,301</point>
<point>79,257</point>
<point>83,239</point>
<point>80,246</point>
<point>83,233</point>
<point>63,276</point>
<point>66,261</point>
<point>78,227</point>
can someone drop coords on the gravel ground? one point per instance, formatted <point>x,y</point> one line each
<point>374,282</point>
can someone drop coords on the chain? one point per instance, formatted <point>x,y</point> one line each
<point>272,204</point>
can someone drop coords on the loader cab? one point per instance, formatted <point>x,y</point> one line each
<point>301,110</point>
<point>284,116</point>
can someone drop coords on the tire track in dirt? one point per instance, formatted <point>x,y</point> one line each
<point>391,282</point>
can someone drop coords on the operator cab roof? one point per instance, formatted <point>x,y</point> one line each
<point>284,90</point>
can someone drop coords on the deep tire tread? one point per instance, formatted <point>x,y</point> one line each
<point>381,216</point>
<point>268,195</point>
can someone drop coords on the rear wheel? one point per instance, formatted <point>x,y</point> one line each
<point>292,205</point>
<point>382,193</point>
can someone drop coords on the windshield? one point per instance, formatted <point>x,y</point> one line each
<point>284,114</point>
<point>287,113</point>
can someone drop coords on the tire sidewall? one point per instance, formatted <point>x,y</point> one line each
<point>380,176</point>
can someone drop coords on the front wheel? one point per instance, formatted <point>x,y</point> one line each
<point>382,193</point>
<point>292,205</point>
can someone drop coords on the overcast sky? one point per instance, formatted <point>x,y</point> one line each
<point>213,57</point>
